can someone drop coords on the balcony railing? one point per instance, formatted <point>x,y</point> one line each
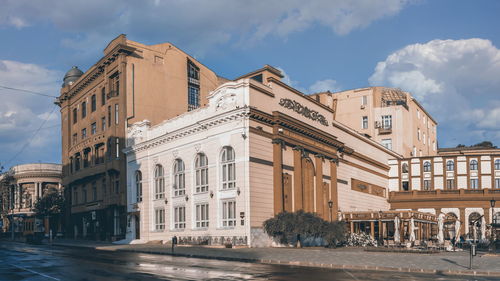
<point>385,130</point>
<point>439,194</point>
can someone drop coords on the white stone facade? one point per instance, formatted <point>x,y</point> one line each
<point>207,131</point>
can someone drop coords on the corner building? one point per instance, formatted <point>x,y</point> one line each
<point>130,83</point>
<point>259,147</point>
<point>389,116</point>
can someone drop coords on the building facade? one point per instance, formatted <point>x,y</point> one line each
<point>21,187</point>
<point>131,82</point>
<point>259,147</point>
<point>389,116</point>
<point>459,183</point>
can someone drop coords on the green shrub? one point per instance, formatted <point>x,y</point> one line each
<point>286,227</point>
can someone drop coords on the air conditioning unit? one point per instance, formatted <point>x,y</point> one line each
<point>377,124</point>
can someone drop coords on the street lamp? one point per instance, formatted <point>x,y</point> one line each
<point>380,228</point>
<point>330,205</point>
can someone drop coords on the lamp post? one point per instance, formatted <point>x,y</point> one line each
<point>330,205</point>
<point>380,228</point>
<point>492,204</point>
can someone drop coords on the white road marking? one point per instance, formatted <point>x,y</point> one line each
<point>350,274</point>
<point>32,271</point>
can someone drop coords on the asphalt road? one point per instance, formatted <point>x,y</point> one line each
<point>27,262</point>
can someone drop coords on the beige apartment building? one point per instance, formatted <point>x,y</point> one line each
<point>389,116</point>
<point>130,83</point>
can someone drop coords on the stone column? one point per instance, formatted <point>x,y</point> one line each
<point>278,175</point>
<point>297,178</point>
<point>463,221</point>
<point>320,208</point>
<point>372,229</point>
<point>334,196</point>
<point>486,212</point>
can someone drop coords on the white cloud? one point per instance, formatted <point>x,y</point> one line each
<point>196,24</point>
<point>21,114</point>
<point>456,80</point>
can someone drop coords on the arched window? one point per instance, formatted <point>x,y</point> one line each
<point>228,168</point>
<point>201,173</point>
<point>404,168</point>
<point>450,165</point>
<point>427,166</point>
<point>179,178</point>
<point>475,222</point>
<point>159,182</point>
<point>497,164</point>
<point>138,186</point>
<point>473,165</point>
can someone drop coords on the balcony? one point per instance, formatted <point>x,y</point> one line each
<point>385,130</point>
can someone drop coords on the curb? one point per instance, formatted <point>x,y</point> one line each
<point>298,263</point>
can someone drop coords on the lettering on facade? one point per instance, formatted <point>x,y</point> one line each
<point>303,110</point>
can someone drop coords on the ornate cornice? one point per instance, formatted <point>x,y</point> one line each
<point>190,129</point>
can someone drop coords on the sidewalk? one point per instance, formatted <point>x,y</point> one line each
<point>448,263</point>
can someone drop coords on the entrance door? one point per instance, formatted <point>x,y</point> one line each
<point>137,227</point>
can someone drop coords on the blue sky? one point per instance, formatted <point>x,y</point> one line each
<point>444,52</point>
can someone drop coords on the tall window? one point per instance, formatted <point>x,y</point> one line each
<point>497,183</point>
<point>450,165</point>
<point>94,191</point>
<point>84,191</point>
<point>75,138</point>
<point>201,173</point>
<point>180,217</point>
<point>93,128</point>
<point>427,166</point>
<point>103,96</point>
<point>427,185</point>
<point>117,186</point>
<point>193,85</point>
<point>84,109</point>
<point>179,178</point>
<point>202,215</point>
<point>116,114</point>
<point>117,148</point>
<point>75,196</point>
<point>473,165</point>
<point>424,139</point>
<point>228,168</point>
<point>387,143</point>
<point>364,122</point>
<point>474,183</point>
<point>387,121</point>
<point>84,133</point>
<point>229,213</point>
<point>93,103</point>
<point>364,100</point>
<point>159,219</point>
<point>159,182</point>
<point>497,164</point>
<point>138,186</point>
<point>75,115</point>
<point>193,97</point>
<point>103,123</point>
<point>109,115</point>
<point>450,184</point>
<point>418,133</point>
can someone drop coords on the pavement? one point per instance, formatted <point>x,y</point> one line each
<point>444,263</point>
<point>20,261</point>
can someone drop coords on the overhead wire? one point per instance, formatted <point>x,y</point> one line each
<point>26,91</point>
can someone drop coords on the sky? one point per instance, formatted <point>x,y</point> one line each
<point>445,52</point>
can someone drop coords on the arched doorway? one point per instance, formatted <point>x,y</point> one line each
<point>449,230</point>
<point>475,230</point>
